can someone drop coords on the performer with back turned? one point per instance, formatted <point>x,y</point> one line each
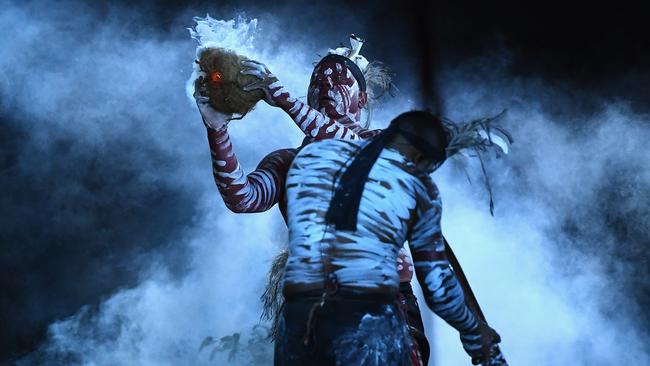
<point>351,207</point>
<point>341,86</point>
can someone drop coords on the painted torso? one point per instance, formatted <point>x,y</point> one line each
<point>364,259</point>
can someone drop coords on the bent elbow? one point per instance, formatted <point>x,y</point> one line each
<point>236,208</point>
<point>240,207</point>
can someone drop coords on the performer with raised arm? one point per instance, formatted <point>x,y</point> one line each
<point>337,94</point>
<point>351,207</point>
<point>340,87</point>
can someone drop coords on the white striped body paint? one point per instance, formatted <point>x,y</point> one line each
<point>261,189</point>
<point>333,109</point>
<point>265,186</point>
<point>255,192</point>
<point>398,204</point>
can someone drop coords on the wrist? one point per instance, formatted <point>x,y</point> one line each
<point>216,123</point>
<point>280,97</point>
<point>471,343</point>
<point>217,136</point>
<point>216,129</point>
<point>470,332</point>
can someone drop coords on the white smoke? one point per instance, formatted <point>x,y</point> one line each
<point>545,299</point>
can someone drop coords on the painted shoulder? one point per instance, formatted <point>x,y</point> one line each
<point>323,147</point>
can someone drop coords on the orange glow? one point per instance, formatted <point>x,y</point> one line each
<point>215,78</point>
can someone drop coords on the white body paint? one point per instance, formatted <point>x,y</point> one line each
<point>398,203</point>
<point>365,258</point>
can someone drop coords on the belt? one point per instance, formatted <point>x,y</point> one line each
<point>342,294</point>
<point>333,291</point>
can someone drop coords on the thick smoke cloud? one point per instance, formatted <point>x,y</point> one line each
<point>108,200</point>
<point>91,187</point>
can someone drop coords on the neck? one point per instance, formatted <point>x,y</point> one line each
<point>400,144</point>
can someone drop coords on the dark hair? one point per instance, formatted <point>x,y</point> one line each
<point>422,129</point>
<point>425,131</point>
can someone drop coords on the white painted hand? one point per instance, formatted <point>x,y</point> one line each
<point>267,82</point>
<point>211,117</point>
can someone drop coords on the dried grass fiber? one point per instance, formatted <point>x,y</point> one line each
<point>224,83</point>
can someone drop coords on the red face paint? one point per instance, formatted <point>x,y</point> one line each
<point>333,90</point>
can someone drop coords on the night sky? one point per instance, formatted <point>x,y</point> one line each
<point>83,216</point>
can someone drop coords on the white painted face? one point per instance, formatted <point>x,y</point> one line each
<point>334,91</point>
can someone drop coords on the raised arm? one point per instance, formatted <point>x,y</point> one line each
<point>254,192</point>
<point>441,289</point>
<point>241,192</point>
<point>313,123</point>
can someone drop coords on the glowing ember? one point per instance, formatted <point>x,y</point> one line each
<point>215,77</point>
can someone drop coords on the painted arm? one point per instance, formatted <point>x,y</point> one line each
<point>313,123</point>
<point>442,292</point>
<point>255,192</point>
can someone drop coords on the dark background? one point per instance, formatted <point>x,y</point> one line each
<point>47,250</point>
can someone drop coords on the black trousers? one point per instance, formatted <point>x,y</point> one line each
<point>409,305</point>
<point>342,332</point>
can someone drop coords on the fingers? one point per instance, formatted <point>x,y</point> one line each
<point>252,62</point>
<point>490,340</point>
<point>200,90</point>
<point>254,65</point>
<point>196,88</point>
<point>253,72</point>
<point>255,68</point>
<point>490,334</point>
<point>254,86</point>
<point>487,339</point>
<point>200,96</point>
<point>480,359</point>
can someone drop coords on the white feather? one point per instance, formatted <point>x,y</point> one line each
<point>496,140</point>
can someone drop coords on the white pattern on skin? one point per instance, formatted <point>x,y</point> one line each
<point>406,272</point>
<point>261,189</point>
<point>349,273</point>
<point>398,204</point>
<point>257,191</point>
<point>336,100</point>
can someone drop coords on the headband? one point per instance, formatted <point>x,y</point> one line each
<point>354,68</point>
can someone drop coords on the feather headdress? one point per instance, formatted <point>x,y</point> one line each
<point>378,77</point>
<point>478,136</point>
